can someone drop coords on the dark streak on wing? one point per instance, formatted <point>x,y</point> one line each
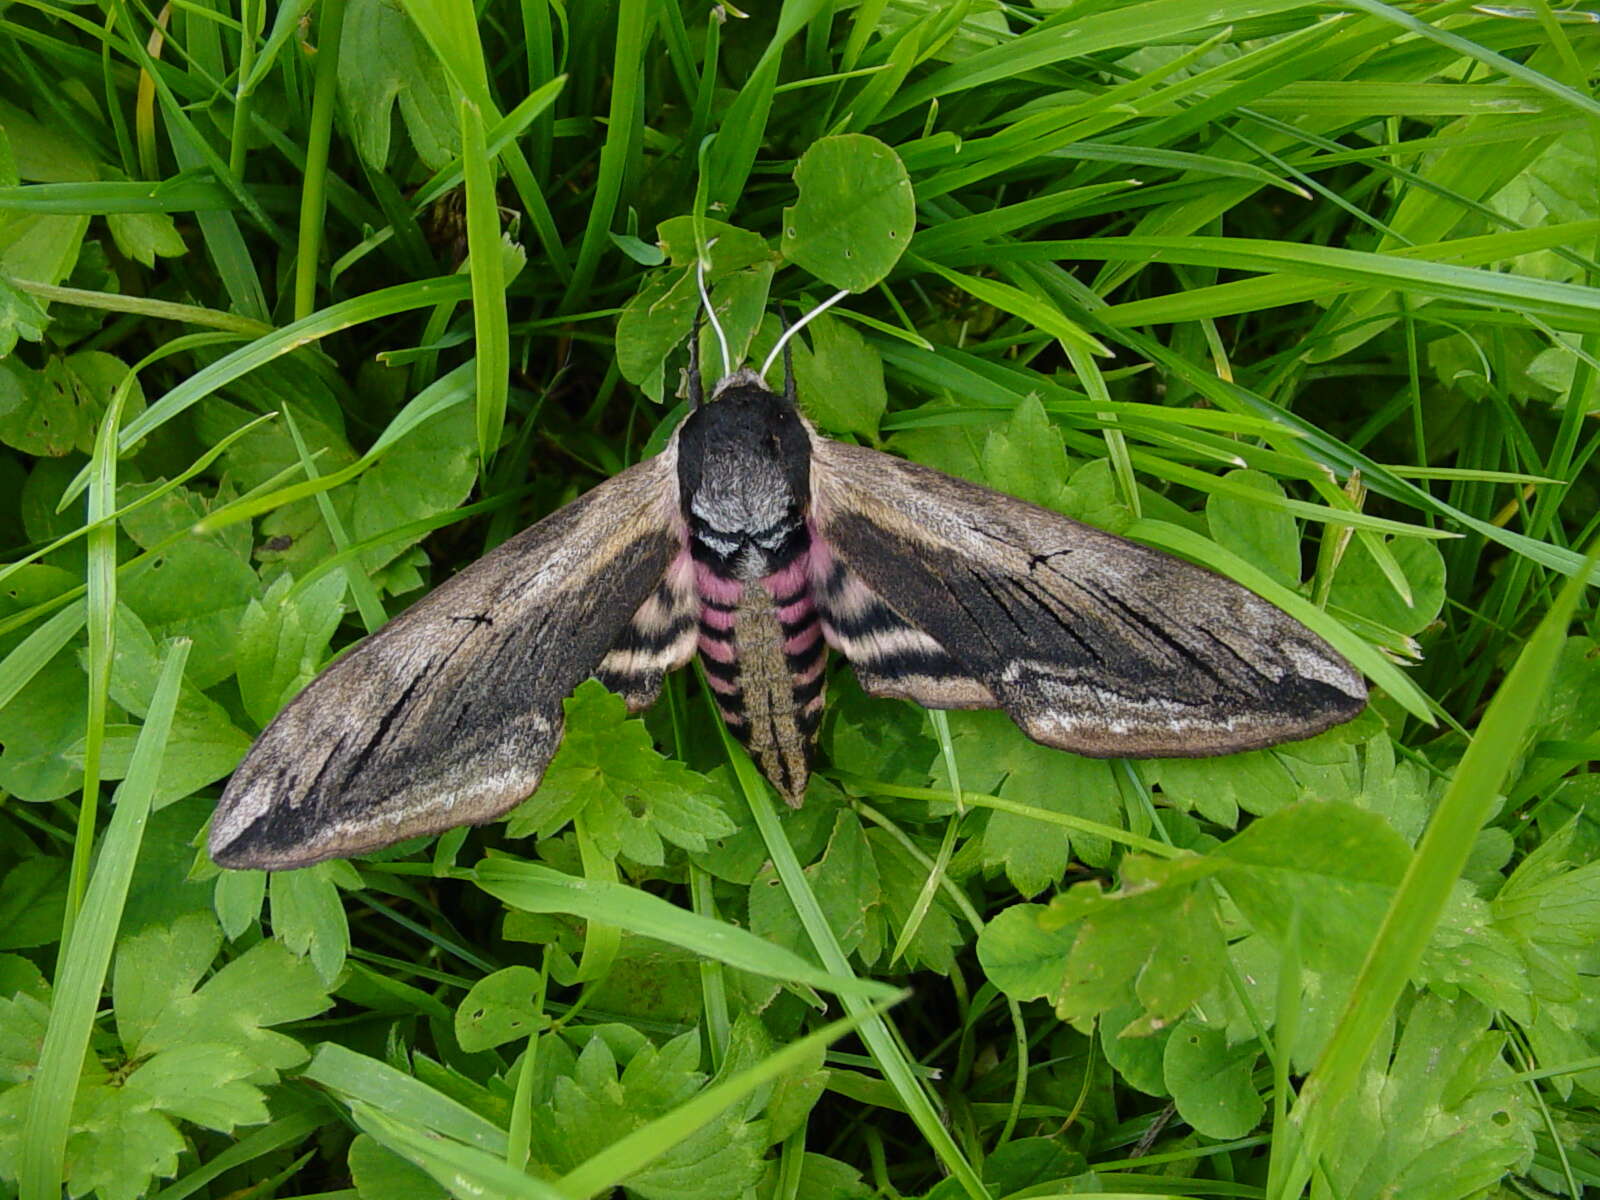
<point>1090,642</point>
<point>449,714</point>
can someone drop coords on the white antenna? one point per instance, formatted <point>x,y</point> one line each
<point>711,313</point>
<point>788,333</point>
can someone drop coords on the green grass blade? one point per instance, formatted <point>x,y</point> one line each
<point>627,68</point>
<point>537,889</point>
<point>374,306</point>
<point>80,977</point>
<point>490,326</point>
<point>876,1032</point>
<point>313,196</point>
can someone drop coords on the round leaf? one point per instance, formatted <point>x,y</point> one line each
<point>499,1008</point>
<point>855,214</point>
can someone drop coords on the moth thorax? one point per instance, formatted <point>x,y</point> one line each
<point>742,494</point>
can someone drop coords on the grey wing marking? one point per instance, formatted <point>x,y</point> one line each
<point>449,714</point>
<point>1090,642</point>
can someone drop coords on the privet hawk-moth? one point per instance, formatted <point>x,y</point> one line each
<point>760,543</point>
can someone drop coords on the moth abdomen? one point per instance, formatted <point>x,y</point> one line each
<point>764,656</point>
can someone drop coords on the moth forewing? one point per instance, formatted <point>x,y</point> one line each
<point>449,714</point>
<point>1090,642</point>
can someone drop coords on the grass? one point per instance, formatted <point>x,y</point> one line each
<point>303,310</point>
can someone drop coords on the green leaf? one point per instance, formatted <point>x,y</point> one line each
<point>823,1178</point>
<point>1022,957</point>
<point>955,448</point>
<point>1326,869</point>
<point>994,756</point>
<point>839,378</point>
<point>901,876</point>
<point>144,236</point>
<point>1095,497</point>
<point>88,379</point>
<point>283,640</point>
<point>1471,952</point>
<point>1219,788</point>
<point>731,248</point>
<point>598,1105</point>
<point>1140,1060</point>
<point>845,881</point>
<point>1443,1119</point>
<point>499,1008</point>
<point>1026,1163</point>
<point>197,588</point>
<point>394,65</point>
<point>1361,587</point>
<point>38,247</point>
<point>33,897</point>
<point>381,1174</point>
<point>268,451</point>
<point>238,898</point>
<point>39,730</point>
<point>429,471</point>
<point>661,313</point>
<point>24,1016</point>
<point>653,981</point>
<point>740,302</point>
<point>203,746</point>
<point>738,857</point>
<point>201,1082</point>
<point>789,1099</point>
<point>1026,458</point>
<point>1262,534</point>
<point>1210,1081</point>
<point>855,213</point>
<point>1567,707</point>
<point>1157,941</point>
<point>633,795</point>
<point>876,739</point>
<point>308,916</point>
<point>653,322</point>
<point>39,413</point>
<point>118,1145</point>
<point>158,1006</point>
<point>20,318</point>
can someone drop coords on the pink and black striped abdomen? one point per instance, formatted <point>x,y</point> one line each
<point>762,646</point>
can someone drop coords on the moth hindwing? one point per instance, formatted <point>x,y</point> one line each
<point>760,543</point>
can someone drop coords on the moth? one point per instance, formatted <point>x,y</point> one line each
<point>759,543</point>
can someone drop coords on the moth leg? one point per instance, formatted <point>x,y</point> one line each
<point>697,386</point>
<point>788,359</point>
